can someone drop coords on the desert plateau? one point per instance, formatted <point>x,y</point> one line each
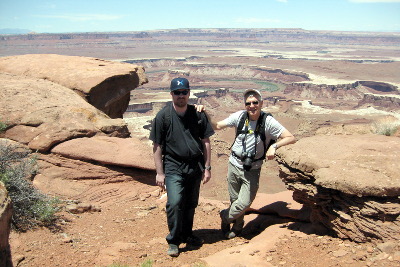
<point>83,103</point>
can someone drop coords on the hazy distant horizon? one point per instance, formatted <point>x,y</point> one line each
<point>76,16</point>
<point>27,31</point>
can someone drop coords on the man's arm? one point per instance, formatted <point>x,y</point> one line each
<point>207,159</point>
<point>286,138</point>
<point>216,125</point>
<point>157,154</point>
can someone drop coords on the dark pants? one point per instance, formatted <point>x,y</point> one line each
<point>183,196</point>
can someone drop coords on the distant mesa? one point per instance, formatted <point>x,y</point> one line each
<point>14,31</point>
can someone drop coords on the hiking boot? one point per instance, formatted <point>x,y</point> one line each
<point>225,226</point>
<point>233,234</point>
<point>194,241</point>
<point>173,250</point>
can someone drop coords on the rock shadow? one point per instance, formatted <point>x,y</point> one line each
<point>276,213</point>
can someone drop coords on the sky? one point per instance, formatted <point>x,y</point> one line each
<point>67,16</point>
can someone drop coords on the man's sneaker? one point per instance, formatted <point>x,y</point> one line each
<point>233,234</point>
<point>194,241</point>
<point>225,226</point>
<point>173,250</point>
<point>236,230</point>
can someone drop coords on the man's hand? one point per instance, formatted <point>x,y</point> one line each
<point>199,108</point>
<point>270,153</point>
<point>206,176</point>
<point>160,181</point>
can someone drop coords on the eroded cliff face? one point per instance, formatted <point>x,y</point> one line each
<point>104,84</point>
<point>350,183</point>
<point>43,108</point>
<point>42,114</point>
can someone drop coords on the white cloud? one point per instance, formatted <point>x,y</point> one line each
<point>375,1</point>
<point>83,17</point>
<point>256,20</point>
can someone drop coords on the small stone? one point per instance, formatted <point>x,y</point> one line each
<point>387,247</point>
<point>339,253</point>
<point>370,249</point>
<point>268,259</point>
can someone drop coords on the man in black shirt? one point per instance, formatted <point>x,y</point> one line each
<point>182,156</point>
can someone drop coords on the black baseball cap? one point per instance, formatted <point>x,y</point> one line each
<point>179,83</point>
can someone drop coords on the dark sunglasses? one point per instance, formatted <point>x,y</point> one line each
<point>181,92</point>
<point>253,102</point>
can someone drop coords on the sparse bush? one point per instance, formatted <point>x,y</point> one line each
<point>30,207</point>
<point>3,126</point>
<point>147,263</point>
<point>386,127</point>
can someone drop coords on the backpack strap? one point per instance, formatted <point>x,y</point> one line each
<point>166,125</point>
<point>260,130</point>
<point>167,120</point>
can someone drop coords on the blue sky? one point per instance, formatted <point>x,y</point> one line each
<point>58,16</point>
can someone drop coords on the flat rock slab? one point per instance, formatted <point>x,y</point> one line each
<point>124,152</point>
<point>361,165</point>
<point>104,84</point>
<point>41,113</point>
<point>78,73</point>
<point>349,183</point>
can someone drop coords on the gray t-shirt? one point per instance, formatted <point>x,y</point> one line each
<point>273,129</point>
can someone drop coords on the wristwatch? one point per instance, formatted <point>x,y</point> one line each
<point>208,168</point>
<point>275,146</point>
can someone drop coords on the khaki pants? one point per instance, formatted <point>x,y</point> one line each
<point>242,187</point>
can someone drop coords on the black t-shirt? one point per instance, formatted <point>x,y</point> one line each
<point>180,136</point>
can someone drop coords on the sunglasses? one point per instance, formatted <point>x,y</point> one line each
<point>253,102</point>
<point>181,92</point>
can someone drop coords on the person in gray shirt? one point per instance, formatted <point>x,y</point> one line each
<point>249,150</point>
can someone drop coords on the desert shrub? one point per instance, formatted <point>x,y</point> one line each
<point>30,207</point>
<point>386,127</point>
<point>3,126</point>
<point>147,263</point>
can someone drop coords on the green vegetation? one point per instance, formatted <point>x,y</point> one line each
<point>3,126</point>
<point>267,86</point>
<point>262,85</point>
<point>30,207</point>
<point>199,264</point>
<point>386,127</point>
<point>147,263</point>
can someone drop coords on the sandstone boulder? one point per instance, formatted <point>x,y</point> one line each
<point>351,183</point>
<point>42,114</point>
<point>104,84</point>
<point>124,152</point>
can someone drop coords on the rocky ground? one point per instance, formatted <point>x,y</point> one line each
<point>130,230</point>
<point>130,227</point>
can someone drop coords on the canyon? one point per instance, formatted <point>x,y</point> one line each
<point>86,102</point>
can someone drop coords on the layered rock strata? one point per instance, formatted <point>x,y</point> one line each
<point>351,183</point>
<point>41,114</point>
<point>104,84</point>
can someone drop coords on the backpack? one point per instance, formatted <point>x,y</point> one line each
<point>260,129</point>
